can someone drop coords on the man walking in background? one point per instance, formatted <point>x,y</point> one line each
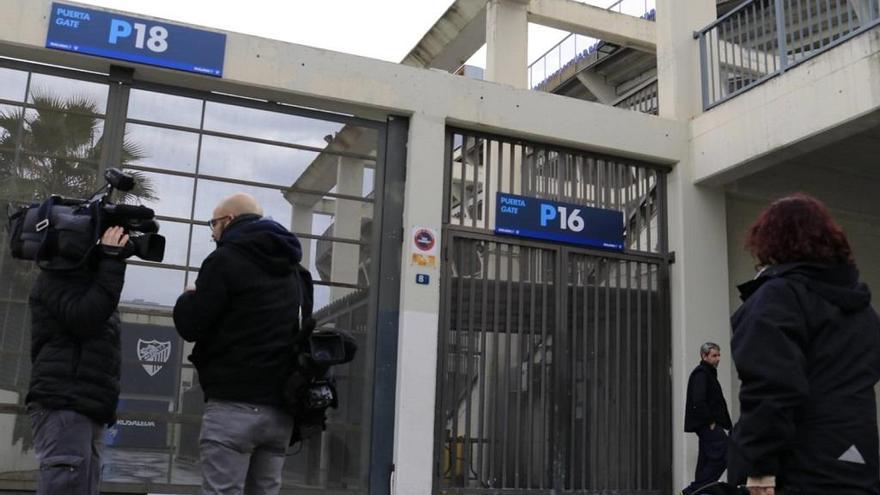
<point>706,415</point>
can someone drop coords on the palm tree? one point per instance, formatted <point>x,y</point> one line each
<point>62,145</point>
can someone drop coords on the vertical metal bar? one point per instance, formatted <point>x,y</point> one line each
<point>604,264</point>
<point>717,94</point>
<point>651,372</point>
<point>483,359</point>
<point>793,29</point>
<point>525,255</point>
<point>753,45</point>
<point>530,343</point>
<point>587,441</point>
<point>630,410</point>
<point>476,195</point>
<point>745,48</point>
<point>561,389</point>
<point>462,200</point>
<point>455,352</point>
<point>447,177</point>
<point>545,383</point>
<point>765,43</point>
<point>488,195</point>
<point>828,15</point>
<point>640,174</point>
<point>496,361</point>
<point>724,28</point>
<point>711,62</point>
<point>618,385</point>
<point>840,18</point>
<point>809,30</point>
<point>648,206</point>
<point>850,10</point>
<point>568,317</point>
<point>639,360</point>
<point>507,365</point>
<point>740,35</point>
<point>781,36</point>
<point>512,166</point>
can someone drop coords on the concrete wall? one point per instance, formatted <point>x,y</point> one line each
<point>803,109</point>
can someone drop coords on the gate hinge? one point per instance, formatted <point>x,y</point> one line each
<point>670,257</point>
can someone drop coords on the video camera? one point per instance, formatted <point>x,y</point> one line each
<point>60,233</point>
<point>311,389</point>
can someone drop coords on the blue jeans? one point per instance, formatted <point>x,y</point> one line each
<point>69,448</point>
<point>243,447</point>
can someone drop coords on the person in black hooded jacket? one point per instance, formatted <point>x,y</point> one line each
<point>806,345</point>
<point>242,316</point>
<point>75,366</point>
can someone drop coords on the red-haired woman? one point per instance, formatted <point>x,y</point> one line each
<point>806,345</point>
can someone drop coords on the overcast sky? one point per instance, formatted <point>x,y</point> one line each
<point>383,29</point>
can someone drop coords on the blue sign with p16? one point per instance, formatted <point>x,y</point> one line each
<point>522,216</point>
<point>94,32</point>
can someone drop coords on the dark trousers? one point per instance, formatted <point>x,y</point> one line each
<point>69,447</point>
<point>712,458</point>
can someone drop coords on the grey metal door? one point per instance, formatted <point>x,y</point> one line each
<point>554,367</point>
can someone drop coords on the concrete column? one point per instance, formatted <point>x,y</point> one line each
<point>302,222</point>
<point>347,223</point>
<point>507,42</point>
<point>419,313</point>
<point>699,277</point>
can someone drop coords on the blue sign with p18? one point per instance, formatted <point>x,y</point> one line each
<point>94,32</point>
<point>522,216</point>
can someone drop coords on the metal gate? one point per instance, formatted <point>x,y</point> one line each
<point>555,367</point>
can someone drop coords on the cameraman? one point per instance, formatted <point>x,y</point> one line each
<point>75,357</point>
<point>242,316</point>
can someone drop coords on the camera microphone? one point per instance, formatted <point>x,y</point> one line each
<point>119,179</point>
<point>130,211</point>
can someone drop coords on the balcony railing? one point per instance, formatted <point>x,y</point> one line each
<point>763,38</point>
<point>575,47</point>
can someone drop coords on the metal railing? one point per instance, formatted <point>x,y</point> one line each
<point>643,98</point>
<point>761,39</point>
<point>576,47</point>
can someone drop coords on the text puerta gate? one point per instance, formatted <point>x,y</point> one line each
<point>554,365</point>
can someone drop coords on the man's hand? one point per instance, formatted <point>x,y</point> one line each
<point>762,490</point>
<point>114,237</point>
<point>712,426</point>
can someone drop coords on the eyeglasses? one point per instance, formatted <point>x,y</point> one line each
<point>214,221</point>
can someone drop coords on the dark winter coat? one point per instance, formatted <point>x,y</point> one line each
<point>75,350</point>
<point>806,344</point>
<point>243,313</point>
<point>705,402</point>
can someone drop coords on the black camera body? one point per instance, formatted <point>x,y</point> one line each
<point>60,233</point>
<point>311,389</point>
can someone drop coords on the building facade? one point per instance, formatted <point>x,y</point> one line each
<point>488,361</point>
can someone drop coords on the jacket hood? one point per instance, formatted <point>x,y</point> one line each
<point>838,284</point>
<point>264,241</point>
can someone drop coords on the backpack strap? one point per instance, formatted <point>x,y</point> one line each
<point>307,302</point>
<point>41,228</point>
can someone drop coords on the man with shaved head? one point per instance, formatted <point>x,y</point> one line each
<point>242,315</point>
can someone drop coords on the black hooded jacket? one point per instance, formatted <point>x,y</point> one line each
<point>75,353</point>
<point>806,344</point>
<point>243,314</point>
<point>705,400</point>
